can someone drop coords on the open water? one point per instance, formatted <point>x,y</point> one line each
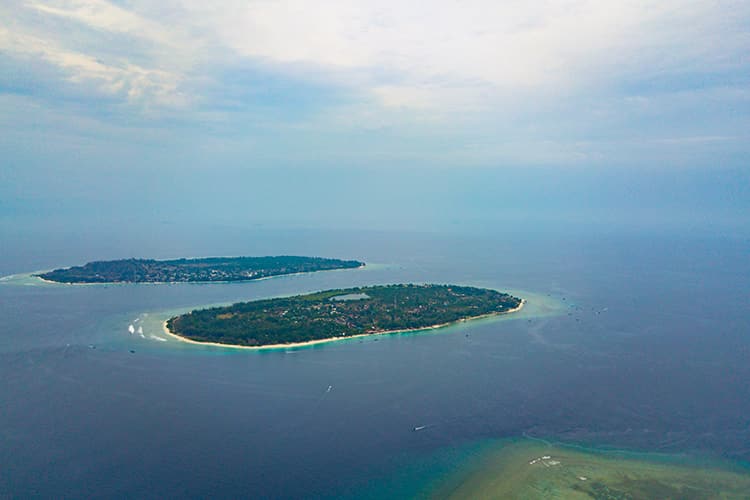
<point>634,341</point>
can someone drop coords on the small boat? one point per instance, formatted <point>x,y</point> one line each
<point>329,388</point>
<point>419,428</point>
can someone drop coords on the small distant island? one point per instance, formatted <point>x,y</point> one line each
<point>337,314</point>
<point>210,269</point>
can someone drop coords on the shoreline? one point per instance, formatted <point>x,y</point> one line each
<point>167,331</point>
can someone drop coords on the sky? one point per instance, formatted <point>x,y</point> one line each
<point>107,102</point>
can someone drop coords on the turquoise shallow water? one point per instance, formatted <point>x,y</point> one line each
<point>633,343</point>
<point>446,471</point>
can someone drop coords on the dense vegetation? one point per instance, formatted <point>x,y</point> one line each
<point>339,313</point>
<point>181,270</point>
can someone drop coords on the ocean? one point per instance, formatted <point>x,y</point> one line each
<point>635,341</point>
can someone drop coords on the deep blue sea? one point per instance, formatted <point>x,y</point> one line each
<point>630,340</point>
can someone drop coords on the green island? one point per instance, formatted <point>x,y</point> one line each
<point>336,314</point>
<point>210,269</point>
<point>529,470</point>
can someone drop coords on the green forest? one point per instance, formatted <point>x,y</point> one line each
<point>340,313</point>
<point>194,270</point>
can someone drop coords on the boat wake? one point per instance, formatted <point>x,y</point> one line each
<point>422,427</point>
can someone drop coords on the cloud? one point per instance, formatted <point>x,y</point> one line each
<point>133,82</point>
<point>76,38</point>
<point>478,81</point>
<point>701,139</point>
<point>104,16</point>
<point>404,53</point>
<point>457,46</point>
